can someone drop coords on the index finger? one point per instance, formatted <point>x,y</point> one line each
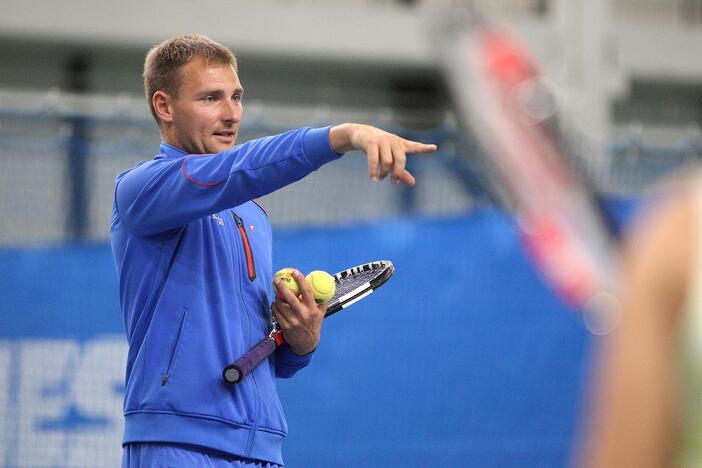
<point>417,147</point>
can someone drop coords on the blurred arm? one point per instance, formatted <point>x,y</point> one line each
<point>635,395</point>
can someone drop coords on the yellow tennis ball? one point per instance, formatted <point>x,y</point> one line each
<point>287,279</point>
<point>322,284</point>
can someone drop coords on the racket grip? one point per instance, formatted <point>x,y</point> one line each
<point>240,368</point>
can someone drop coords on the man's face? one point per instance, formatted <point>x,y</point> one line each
<point>207,109</point>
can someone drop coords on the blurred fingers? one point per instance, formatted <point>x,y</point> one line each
<point>386,160</point>
<point>399,161</point>
<point>373,163</point>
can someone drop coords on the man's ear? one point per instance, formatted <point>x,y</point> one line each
<point>162,106</point>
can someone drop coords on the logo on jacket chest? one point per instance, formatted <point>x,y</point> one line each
<point>217,218</point>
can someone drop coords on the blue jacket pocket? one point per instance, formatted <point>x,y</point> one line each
<point>176,346</point>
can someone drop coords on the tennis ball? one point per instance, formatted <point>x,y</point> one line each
<point>287,279</point>
<point>322,284</point>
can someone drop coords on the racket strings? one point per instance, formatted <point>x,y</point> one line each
<point>349,283</point>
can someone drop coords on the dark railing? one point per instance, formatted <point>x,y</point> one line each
<point>58,178</point>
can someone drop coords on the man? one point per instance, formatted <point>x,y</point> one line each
<point>193,254</point>
<point>646,405</point>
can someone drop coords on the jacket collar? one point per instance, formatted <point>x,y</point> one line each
<point>171,151</point>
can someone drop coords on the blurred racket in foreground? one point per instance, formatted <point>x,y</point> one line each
<point>352,285</point>
<point>500,97</point>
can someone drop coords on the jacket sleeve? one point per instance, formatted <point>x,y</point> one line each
<point>164,194</point>
<point>288,363</point>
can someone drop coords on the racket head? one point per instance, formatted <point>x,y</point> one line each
<point>501,98</point>
<point>358,282</point>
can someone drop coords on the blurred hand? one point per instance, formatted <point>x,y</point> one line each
<point>387,153</point>
<point>300,319</point>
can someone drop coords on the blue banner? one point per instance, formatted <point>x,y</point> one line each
<point>464,358</point>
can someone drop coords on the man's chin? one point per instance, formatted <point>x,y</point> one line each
<point>219,147</point>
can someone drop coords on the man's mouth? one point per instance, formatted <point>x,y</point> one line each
<point>225,135</point>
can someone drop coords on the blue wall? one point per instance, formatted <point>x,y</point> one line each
<point>463,359</point>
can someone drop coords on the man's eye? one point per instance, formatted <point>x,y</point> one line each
<point>238,97</point>
<point>209,99</point>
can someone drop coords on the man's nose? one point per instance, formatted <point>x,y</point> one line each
<point>231,111</point>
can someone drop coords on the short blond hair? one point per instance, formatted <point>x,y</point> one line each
<point>164,61</point>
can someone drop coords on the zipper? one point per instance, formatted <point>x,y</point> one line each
<point>164,380</point>
<point>250,266</point>
<point>251,271</point>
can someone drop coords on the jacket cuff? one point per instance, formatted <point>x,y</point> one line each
<point>287,362</point>
<point>317,147</point>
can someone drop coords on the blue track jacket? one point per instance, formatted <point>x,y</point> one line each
<point>193,256</point>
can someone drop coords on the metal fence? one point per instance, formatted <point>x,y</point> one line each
<point>59,166</point>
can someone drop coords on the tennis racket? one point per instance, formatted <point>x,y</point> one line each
<point>352,285</point>
<point>501,98</point>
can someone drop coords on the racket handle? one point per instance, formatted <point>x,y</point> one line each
<point>240,368</point>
